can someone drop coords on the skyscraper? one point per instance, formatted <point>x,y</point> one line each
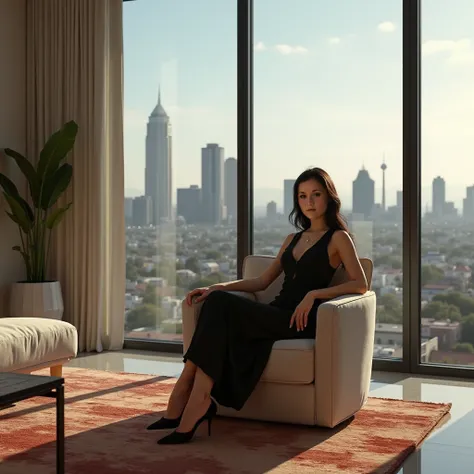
<point>363,194</point>
<point>439,196</point>
<point>288,196</point>
<point>212,173</point>
<point>141,211</point>
<point>128,208</point>
<point>468,204</point>
<point>158,166</point>
<point>230,189</point>
<point>272,211</point>
<point>400,199</point>
<point>189,204</point>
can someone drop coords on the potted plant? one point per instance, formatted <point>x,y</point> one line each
<point>36,296</point>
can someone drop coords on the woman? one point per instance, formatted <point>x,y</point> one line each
<point>234,335</point>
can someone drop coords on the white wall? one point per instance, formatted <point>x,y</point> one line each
<point>12,128</point>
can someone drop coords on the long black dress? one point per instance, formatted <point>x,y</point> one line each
<point>234,336</point>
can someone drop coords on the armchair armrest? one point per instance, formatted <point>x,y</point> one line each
<point>343,356</point>
<point>190,315</point>
<point>254,266</point>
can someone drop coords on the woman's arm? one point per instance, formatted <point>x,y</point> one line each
<point>253,285</point>
<point>357,283</point>
<point>248,285</point>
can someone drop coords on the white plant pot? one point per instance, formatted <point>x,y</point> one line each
<point>36,300</point>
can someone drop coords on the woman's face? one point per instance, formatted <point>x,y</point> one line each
<point>312,199</point>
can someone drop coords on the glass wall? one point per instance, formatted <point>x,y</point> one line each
<point>180,157</point>
<point>447,293</point>
<point>328,93</point>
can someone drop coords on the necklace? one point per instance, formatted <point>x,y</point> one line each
<point>309,240</point>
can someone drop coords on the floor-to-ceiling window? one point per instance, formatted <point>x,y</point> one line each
<point>180,157</point>
<point>447,250</point>
<point>328,93</point>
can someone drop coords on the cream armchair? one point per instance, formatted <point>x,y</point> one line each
<point>312,382</point>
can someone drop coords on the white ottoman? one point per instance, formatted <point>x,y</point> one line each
<point>29,344</point>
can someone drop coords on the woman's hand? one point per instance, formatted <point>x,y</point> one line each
<point>202,292</point>
<point>300,316</point>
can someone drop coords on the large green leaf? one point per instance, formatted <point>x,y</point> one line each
<point>23,214</point>
<point>56,149</point>
<point>56,216</point>
<point>12,191</point>
<point>8,185</point>
<point>55,185</point>
<point>26,207</point>
<point>28,170</point>
<point>13,218</point>
<point>26,259</point>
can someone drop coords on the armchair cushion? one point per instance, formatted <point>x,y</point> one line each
<point>291,362</point>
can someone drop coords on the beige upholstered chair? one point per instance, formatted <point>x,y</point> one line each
<point>313,382</point>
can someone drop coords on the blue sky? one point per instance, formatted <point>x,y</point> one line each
<point>328,88</point>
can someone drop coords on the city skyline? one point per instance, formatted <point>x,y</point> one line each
<point>219,173</point>
<point>216,199</point>
<point>308,110</point>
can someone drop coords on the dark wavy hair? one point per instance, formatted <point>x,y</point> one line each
<point>333,216</point>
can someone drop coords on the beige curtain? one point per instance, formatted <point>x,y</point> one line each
<point>74,72</point>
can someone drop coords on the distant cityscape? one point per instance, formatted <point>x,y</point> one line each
<point>214,202</point>
<point>171,250</point>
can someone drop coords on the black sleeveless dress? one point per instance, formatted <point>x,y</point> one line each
<point>234,336</point>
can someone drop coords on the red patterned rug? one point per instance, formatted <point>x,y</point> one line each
<point>106,414</point>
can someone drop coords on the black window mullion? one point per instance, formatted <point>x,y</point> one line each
<point>244,131</point>
<point>411,182</point>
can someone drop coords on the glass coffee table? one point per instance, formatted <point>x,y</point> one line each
<point>17,387</point>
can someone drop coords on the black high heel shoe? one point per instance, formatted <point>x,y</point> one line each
<point>180,438</point>
<point>165,424</point>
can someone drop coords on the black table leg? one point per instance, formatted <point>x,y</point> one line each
<point>60,429</point>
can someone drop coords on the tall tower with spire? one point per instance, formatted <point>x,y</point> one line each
<point>383,167</point>
<point>158,163</point>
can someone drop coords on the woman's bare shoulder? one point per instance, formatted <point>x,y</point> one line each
<point>342,237</point>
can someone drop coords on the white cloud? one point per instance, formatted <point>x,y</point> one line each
<point>287,49</point>
<point>458,51</point>
<point>386,27</point>
<point>281,48</point>
<point>334,40</point>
